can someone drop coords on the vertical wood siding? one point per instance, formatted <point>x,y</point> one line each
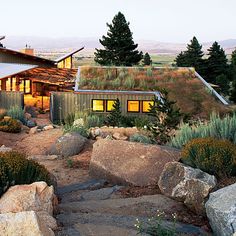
<point>63,103</point>
<point>8,99</point>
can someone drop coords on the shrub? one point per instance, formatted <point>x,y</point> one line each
<point>218,128</point>
<point>16,169</point>
<point>141,122</point>
<point>78,129</point>
<point>115,116</point>
<point>140,138</point>
<point>94,121</point>
<point>10,126</point>
<point>69,119</point>
<point>217,157</point>
<point>17,113</point>
<point>129,82</point>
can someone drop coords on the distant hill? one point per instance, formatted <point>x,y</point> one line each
<point>66,44</point>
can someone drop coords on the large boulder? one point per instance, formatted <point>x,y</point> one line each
<point>4,149</point>
<point>34,197</point>
<point>23,223</point>
<point>123,162</point>
<point>186,184</point>
<point>221,211</point>
<point>67,145</point>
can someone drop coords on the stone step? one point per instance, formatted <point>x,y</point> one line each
<point>98,224</point>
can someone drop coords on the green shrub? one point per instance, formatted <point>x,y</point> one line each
<point>78,129</point>
<point>115,116</point>
<point>69,120</point>
<point>16,169</point>
<point>218,128</point>
<point>16,112</point>
<point>140,138</point>
<point>10,126</point>
<point>128,121</point>
<point>141,122</point>
<point>129,82</point>
<point>116,83</point>
<point>149,72</point>
<point>94,121</point>
<point>217,157</point>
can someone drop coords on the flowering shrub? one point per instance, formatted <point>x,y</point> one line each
<point>217,157</point>
<point>10,126</point>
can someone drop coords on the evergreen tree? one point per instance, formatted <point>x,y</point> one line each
<point>232,74</point>
<point>119,48</point>
<point>216,63</point>
<point>192,57</point>
<point>147,60</point>
<point>115,116</point>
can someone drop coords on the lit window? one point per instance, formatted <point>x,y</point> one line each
<point>8,84</point>
<point>27,86</point>
<point>13,84</point>
<point>98,105</point>
<point>22,85</point>
<point>133,106</point>
<point>0,85</point>
<point>146,105</point>
<point>110,104</point>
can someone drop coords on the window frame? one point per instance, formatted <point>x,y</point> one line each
<point>106,102</point>
<point>138,106</point>
<point>104,108</point>
<point>143,106</point>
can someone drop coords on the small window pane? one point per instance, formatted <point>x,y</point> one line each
<point>98,105</point>
<point>0,85</point>
<point>27,86</point>
<point>133,106</point>
<point>110,104</point>
<point>13,83</point>
<point>8,84</point>
<point>146,105</point>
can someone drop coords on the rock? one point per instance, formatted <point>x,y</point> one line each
<point>23,223</point>
<point>47,219</point>
<point>186,184</point>
<point>48,127</point>
<point>6,118</point>
<point>4,149</point>
<point>119,136</point>
<point>221,211</point>
<point>27,116</point>
<point>123,162</point>
<point>33,130</point>
<point>95,132</point>
<point>43,157</point>
<point>37,196</point>
<point>30,123</point>
<point>67,145</point>
<point>25,128</point>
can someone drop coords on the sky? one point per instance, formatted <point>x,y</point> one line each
<point>160,20</point>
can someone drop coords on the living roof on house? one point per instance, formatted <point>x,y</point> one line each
<point>10,69</point>
<point>68,55</point>
<point>57,76</point>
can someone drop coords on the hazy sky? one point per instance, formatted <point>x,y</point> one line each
<point>161,20</point>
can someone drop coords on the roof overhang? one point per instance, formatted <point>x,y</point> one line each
<point>10,69</point>
<point>68,55</point>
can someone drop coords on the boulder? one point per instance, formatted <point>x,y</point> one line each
<point>67,145</point>
<point>186,184</point>
<point>37,196</point>
<point>30,123</point>
<point>221,211</point>
<point>27,116</point>
<point>123,162</point>
<point>23,223</point>
<point>4,149</point>
<point>119,136</point>
<point>95,132</point>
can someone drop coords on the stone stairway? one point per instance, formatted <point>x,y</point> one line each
<point>91,208</point>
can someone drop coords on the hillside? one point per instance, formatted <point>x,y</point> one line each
<point>183,86</point>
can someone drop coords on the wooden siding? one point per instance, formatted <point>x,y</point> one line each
<point>8,99</point>
<point>64,103</point>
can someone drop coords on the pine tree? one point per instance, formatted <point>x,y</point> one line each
<point>216,63</point>
<point>115,116</point>
<point>119,48</point>
<point>232,74</point>
<point>147,60</point>
<point>192,57</point>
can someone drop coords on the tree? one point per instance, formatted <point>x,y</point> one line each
<point>147,60</point>
<point>165,118</point>
<point>115,116</point>
<point>192,57</point>
<point>119,48</point>
<point>216,63</point>
<point>232,75</point>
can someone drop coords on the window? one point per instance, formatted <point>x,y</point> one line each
<point>133,106</point>
<point>13,84</point>
<point>110,104</point>
<point>98,105</point>
<point>8,84</point>
<point>0,85</point>
<point>146,106</point>
<point>27,86</point>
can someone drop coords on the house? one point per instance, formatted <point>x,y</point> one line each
<point>35,76</point>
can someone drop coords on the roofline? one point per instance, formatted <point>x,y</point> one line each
<point>27,55</point>
<point>32,67</point>
<point>2,37</point>
<point>68,55</point>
